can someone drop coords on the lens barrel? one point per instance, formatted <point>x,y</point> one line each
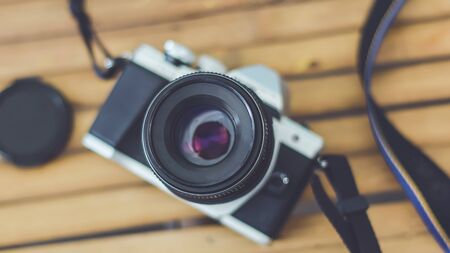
<point>207,138</point>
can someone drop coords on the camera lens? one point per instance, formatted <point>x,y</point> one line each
<point>207,137</point>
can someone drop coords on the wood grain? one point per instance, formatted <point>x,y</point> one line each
<point>338,52</point>
<point>352,134</point>
<point>395,86</point>
<point>396,223</point>
<point>51,18</point>
<point>323,53</point>
<point>71,173</point>
<point>82,88</point>
<point>87,213</point>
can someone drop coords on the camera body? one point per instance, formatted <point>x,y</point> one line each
<point>217,141</point>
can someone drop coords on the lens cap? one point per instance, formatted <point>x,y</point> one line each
<point>35,122</point>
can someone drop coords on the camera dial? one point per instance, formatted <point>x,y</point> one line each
<point>178,54</point>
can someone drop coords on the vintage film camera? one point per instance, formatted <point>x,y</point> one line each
<point>217,140</point>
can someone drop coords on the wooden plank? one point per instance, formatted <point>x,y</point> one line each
<point>289,57</point>
<point>418,243</point>
<point>338,52</point>
<point>87,213</point>
<point>422,242</point>
<point>425,126</point>
<point>82,123</point>
<point>82,88</point>
<point>51,18</point>
<point>71,173</point>
<point>424,82</point>
<point>75,199</point>
<point>306,234</point>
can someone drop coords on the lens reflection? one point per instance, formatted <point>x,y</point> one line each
<point>211,140</point>
<point>206,135</point>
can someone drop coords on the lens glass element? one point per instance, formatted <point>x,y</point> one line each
<point>207,136</point>
<point>211,140</point>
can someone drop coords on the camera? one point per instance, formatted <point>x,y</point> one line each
<point>217,140</point>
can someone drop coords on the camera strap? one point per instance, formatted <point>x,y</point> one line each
<point>90,38</point>
<point>348,216</point>
<point>425,184</point>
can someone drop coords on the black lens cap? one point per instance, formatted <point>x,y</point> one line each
<point>35,122</point>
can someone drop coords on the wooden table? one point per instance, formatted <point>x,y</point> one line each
<point>84,203</point>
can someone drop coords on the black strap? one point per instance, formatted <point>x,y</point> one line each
<point>114,65</point>
<point>348,215</point>
<point>426,185</point>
